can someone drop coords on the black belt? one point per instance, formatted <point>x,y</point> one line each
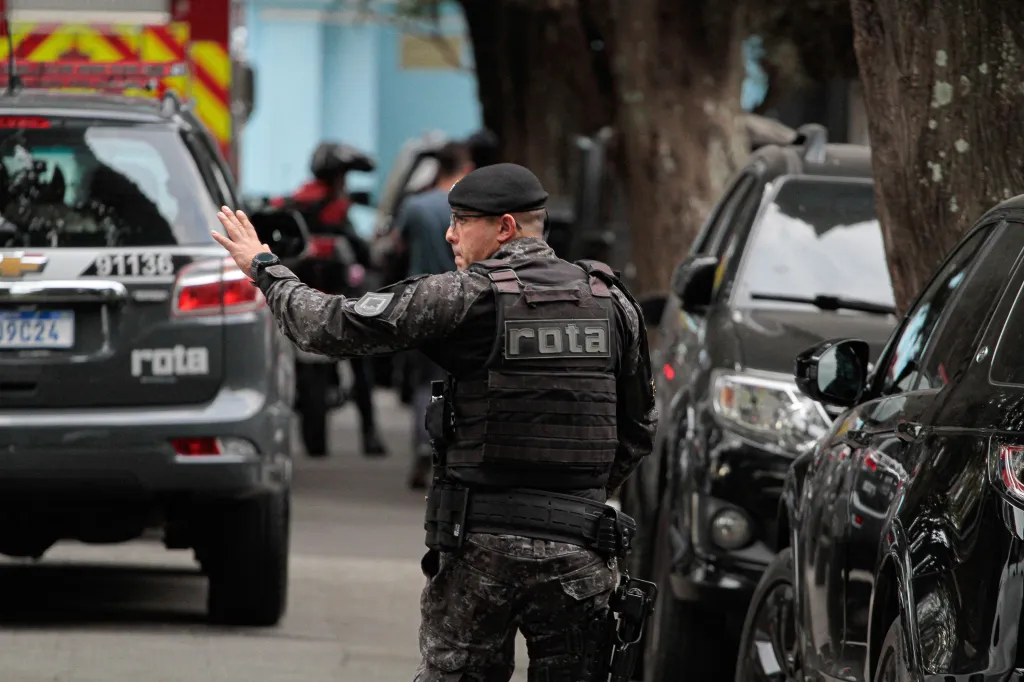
<point>551,516</point>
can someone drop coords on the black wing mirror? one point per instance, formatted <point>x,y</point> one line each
<point>834,372</point>
<point>244,83</point>
<point>285,232</point>
<point>693,282</point>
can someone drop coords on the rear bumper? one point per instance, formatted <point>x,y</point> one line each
<point>127,453</point>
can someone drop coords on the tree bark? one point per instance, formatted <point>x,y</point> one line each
<point>942,86</point>
<point>535,81</point>
<point>677,72</point>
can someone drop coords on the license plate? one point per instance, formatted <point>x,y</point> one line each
<point>37,329</point>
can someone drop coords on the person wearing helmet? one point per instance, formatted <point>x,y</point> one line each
<point>324,200</point>
<point>339,268</point>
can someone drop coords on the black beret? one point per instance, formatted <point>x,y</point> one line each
<point>498,189</point>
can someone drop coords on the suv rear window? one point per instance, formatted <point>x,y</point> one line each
<point>818,237</point>
<point>83,183</point>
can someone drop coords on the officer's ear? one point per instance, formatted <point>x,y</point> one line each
<point>507,228</point>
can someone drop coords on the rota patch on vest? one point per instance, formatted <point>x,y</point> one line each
<point>541,339</point>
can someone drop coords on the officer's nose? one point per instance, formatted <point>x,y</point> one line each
<point>450,235</point>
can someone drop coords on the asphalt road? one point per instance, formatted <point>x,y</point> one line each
<point>135,612</point>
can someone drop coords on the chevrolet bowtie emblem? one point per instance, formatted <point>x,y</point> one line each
<point>17,264</point>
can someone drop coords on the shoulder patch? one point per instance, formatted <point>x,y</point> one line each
<point>373,304</point>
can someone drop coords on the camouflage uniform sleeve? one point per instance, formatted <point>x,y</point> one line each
<point>398,317</point>
<point>637,417</point>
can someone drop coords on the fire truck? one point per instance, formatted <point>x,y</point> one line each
<point>105,38</point>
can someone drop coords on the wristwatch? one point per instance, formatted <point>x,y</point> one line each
<point>262,260</point>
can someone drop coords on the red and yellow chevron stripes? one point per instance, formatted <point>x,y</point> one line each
<point>208,83</point>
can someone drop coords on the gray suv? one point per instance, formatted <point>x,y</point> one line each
<point>143,382</point>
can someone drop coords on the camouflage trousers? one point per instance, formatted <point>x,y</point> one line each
<point>476,599</point>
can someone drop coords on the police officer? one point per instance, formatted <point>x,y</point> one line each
<point>548,408</point>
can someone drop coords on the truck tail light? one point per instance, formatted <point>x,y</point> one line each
<point>108,76</point>
<point>23,122</point>
<point>214,287</point>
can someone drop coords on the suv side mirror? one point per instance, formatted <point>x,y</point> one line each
<point>693,282</point>
<point>834,372</point>
<point>244,78</point>
<point>285,232</point>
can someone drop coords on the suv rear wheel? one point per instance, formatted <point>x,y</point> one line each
<point>247,561</point>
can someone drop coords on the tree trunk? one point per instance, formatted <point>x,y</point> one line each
<point>677,70</point>
<point>942,88</point>
<point>536,88</point>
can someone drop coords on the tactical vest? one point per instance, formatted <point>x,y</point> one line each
<point>541,413</point>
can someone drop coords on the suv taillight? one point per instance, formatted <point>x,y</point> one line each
<point>1006,470</point>
<point>214,287</point>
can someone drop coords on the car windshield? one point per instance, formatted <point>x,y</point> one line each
<point>82,183</point>
<point>818,243</point>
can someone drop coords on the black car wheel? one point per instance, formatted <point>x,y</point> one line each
<point>247,561</point>
<point>768,645</point>
<point>313,404</point>
<point>892,661</point>
<point>683,637</point>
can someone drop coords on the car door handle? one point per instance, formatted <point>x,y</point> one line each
<point>908,431</point>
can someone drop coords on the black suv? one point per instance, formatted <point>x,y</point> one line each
<point>143,381</point>
<point>902,532</point>
<point>791,254</point>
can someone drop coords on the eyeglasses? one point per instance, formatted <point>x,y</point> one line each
<point>460,218</point>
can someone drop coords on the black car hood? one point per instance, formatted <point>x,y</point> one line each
<point>770,339</point>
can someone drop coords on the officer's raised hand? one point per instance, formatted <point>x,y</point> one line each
<point>241,242</point>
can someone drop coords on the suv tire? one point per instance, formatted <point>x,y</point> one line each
<point>248,562</point>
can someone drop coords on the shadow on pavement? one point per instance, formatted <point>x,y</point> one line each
<point>41,595</point>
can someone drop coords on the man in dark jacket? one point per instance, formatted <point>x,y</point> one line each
<point>548,409</point>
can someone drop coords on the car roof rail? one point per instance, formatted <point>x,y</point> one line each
<point>170,104</point>
<point>813,137</point>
